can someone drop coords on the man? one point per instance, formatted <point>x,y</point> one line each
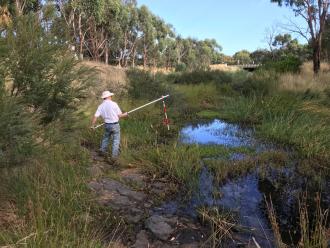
<point>111,113</point>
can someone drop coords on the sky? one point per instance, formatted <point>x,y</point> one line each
<point>236,25</point>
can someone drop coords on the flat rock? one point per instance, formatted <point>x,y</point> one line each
<point>135,216</point>
<point>133,176</point>
<point>115,186</point>
<point>115,201</point>
<point>95,186</point>
<point>141,240</point>
<point>160,226</point>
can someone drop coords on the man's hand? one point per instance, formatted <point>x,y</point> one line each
<point>93,123</point>
<point>124,115</point>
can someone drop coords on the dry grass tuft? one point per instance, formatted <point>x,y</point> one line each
<point>109,77</point>
<point>221,224</point>
<point>306,79</point>
<point>9,218</point>
<point>224,67</point>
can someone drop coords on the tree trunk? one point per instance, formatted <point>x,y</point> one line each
<point>125,50</point>
<point>145,57</point>
<point>133,57</point>
<point>317,56</point>
<point>81,38</point>
<point>120,58</point>
<point>106,51</point>
<point>145,53</point>
<point>19,7</point>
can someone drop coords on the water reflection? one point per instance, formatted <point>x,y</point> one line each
<point>219,133</point>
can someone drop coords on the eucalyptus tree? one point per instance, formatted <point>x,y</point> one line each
<point>163,35</point>
<point>261,56</point>
<point>326,41</point>
<point>315,15</point>
<point>242,57</point>
<point>148,32</point>
<point>10,9</point>
<point>20,7</point>
<point>128,34</point>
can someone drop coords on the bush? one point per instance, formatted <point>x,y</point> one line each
<point>181,67</point>
<point>44,75</point>
<point>16,142</point>
<point>144,85</point>
<point>326,100</point>
<point>285,64</point>
<point>261,83</point>
<point>197,77</point>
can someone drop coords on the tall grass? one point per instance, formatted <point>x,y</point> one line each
<point>52,201</point>
<point>306,80</point>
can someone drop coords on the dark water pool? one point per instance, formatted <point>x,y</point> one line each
<point>244,195</point>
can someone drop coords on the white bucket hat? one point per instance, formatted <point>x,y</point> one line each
<point>106,94</point>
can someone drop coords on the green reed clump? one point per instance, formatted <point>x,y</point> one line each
<point>181,164</point>
<point>285,119</point>
<point>226,169</point>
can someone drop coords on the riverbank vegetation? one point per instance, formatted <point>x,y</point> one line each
<point>46,101</point>
<point>292,112</point>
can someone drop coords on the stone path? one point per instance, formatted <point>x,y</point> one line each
<point>132,197</point>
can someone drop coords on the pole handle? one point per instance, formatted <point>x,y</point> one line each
<point>145,105</point>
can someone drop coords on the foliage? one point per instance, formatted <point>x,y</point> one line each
<point>120,32</point>
<point>243,57</point>
<point>315,14</point>
<point>285,64</point>
<point>201,76</point>
<point>261,83</point>
<point>144,85</point>
<point>180,67</point>
<point>45,76</point>
<point>15,133</point>
<point>282,48</point>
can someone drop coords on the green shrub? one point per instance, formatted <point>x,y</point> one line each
<point>326,100</point>
<point>285,64</point>
<point>16,142</point>
<point>144,85</point>
<point>197,77</point>
<point>44,75</point>
<point>181,67</point>
<point>261,83</point>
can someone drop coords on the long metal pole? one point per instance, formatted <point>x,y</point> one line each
<point>133,110</point>
<point>145,105</point>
